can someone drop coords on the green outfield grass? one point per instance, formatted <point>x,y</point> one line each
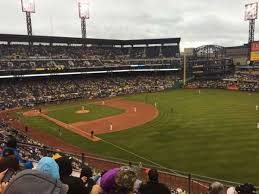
<point>67,112</point>
<point>100,148</point>
<point>212,134</point>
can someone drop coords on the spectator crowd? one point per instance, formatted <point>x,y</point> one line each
<point>243,82</point>
<point>30,92</point>
<point>24,57</point>
<point>81,52</point>
<point>30,167</point>
<point>55,174</point>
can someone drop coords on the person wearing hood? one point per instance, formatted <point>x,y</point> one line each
<point>75,184</point>
<point>35,182</point>
<point>43,180</point>
<point>107,183</point>
<point>49,166</point>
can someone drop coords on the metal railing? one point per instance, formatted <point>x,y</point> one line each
<point>192,183</point>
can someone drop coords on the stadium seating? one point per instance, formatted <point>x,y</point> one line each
<point>243,82</point>
<point>31,92</point>
<point>24,57</point>
<point>82,178</point>
<point>31,150</point>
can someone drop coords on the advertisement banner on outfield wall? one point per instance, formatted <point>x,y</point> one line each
<point>254,51</point>
<point>233,87</point>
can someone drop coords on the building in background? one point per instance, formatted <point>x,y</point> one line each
<point>208,62</point>
<point>238,54</point>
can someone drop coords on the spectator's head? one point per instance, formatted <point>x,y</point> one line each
<point>65,166</point>
<point>8,152</point>
<point>246,189</point>
<point>153,176</point>
<point>125,180</point>
<point>9,162</point>
<point>108,180</point>
<point>33,181</point>
<point>49,166</point>
<point>216,188</point>
<point>86,173</point>
<point>11,142</point>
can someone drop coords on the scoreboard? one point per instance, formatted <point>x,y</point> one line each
<point>254,56</point>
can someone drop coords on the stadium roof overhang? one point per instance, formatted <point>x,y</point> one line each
<point>71,40</point>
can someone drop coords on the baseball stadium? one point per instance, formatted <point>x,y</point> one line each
<point>127,116</point>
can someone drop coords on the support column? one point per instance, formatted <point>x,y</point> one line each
<point>83,27</point>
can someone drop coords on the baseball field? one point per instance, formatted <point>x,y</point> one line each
<point>212,134</point>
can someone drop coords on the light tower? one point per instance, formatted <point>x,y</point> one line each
<point>28,6</point>
<point>83,8</point>
<point>251,11</point>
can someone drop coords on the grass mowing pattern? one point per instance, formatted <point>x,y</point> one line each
<point>67,113</point>
<point>212,134</point>
<point>100,148</point>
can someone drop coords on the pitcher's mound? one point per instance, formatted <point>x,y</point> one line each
<point>82,111</point>
<point>32,113</point>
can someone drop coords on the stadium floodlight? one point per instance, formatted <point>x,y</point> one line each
<point>28,6</point>
<point>83,9</point>
<point>251,11</point>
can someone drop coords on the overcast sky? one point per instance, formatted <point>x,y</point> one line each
<point>197,22</point>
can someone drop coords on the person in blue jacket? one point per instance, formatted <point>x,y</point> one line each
<point>10,148</point>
